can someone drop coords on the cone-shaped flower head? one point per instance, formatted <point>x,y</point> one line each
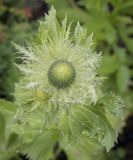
<point>61,74</point>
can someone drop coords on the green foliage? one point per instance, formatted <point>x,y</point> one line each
<point>7,70</point>
<point>13,25</point>
<point>86,149</point>
<point>8,139</point>
<point>42,146</point>
<point>78,129</point>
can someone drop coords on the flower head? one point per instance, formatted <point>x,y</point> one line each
<point>61,65</point>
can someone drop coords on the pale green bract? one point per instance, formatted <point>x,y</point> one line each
<point>59,97</point>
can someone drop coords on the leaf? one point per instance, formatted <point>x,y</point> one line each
<point>126,31</point>
<point>109,139</point>
<point>2,129</point>
<point>41,146</point>
<point>7,151</point>
<point>10,149</point>
<point>90,120</point>
<point>109,64</point>
<point>113,104</point>
<point>13,138</point>
<point>122,78</point>
<point>110,135</point>
<point>85,149</point>
<point>124,6</point>
<point>8,109</point>
<point>6,155</point>
<point>121,54</point>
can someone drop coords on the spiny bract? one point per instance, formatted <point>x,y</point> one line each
<point>59,65</point>
<point>60,85</point>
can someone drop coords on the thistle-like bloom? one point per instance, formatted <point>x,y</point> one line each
<point>61,66</point>
<point>61,82</point>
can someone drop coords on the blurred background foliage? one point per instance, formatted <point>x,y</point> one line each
<point>111,21</point>
<point>16,24</point>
